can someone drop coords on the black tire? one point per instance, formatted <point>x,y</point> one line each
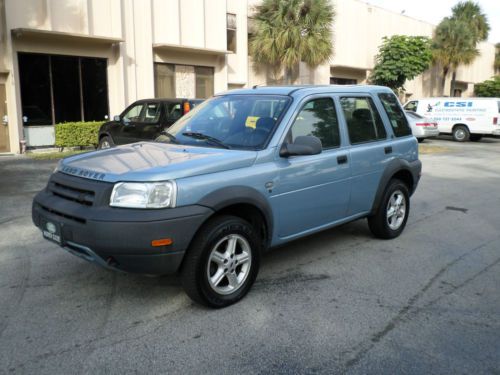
<point>104,142</point>
<point>197,267</point>
<point>461,133</point>
<point>476,137</point>
<point>379,222</point>
<point>420,140</point>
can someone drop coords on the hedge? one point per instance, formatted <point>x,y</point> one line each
<point>74,134</point>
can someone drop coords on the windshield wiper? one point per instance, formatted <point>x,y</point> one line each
<point>206,138</point>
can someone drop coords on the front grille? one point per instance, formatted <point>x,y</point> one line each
<point>84,191</point>
<point>70,193</point>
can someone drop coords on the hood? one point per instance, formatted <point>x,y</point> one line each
<point>146,161</point>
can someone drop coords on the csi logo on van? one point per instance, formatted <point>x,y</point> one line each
<point>458,104</point>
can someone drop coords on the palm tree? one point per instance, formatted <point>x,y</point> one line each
<point>471,13</point>
<point>453,46</point>
<point>290,31</point>
<point>456,38</point>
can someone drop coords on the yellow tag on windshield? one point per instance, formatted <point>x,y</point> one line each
<point>251,121</point>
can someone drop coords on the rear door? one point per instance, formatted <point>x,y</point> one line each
<point>371,148</point>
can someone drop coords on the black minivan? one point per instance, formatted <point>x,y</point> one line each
<point>144,120</point>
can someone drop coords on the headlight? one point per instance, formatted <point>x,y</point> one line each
<point>144,194</point>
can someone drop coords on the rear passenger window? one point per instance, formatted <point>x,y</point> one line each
<point>363,121</point>
<point>396,115</point>
<point>318,118</point>
<point>152,114</point>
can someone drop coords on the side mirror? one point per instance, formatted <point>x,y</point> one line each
<point>117,118</point>
<point>303,145</point>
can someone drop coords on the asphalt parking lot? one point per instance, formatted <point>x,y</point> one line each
<point>337,302</point>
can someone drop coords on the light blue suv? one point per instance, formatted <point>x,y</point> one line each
<point>243,172</point>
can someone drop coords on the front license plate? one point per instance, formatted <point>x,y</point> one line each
<point>52,231</point>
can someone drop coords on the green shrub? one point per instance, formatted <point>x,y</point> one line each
<point>74,134</point>
<point>489,88</point>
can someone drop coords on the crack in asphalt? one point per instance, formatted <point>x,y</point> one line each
<point>365,347</point>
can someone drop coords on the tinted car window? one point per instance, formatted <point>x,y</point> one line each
<point>318,118</point>
<point>363,121</point>
<point>134,113</point>
<point>398,120</point>
<point>152,113</point>
<point>239,121</point>
<point>411,106</point>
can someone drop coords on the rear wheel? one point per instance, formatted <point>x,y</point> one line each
<point>420,140</point>
<point>392,213</point>
<point>105,142</point>
<point>476,137</point>
<point>222,263</point>
<point>461,133</point>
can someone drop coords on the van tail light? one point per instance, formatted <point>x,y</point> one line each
<point>424,124</point>
<point>495,120</point>
<point>186,108</point>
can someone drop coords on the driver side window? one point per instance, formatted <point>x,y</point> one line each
<point>317,117</point>
<point>134,113</point>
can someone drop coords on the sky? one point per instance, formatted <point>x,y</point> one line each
<point>434,11</point>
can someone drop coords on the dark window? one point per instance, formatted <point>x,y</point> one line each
<point>133,113</point>
<point>363,121</point>
<point>35,89</point>
<point>174,111</point>
<point>152,113</point>
<point>342,81</point>
<point>204,82</point>
<point>66,82</point>
<point>57,88</point>
<point>411,106</point>
<point>318,118</point>
<point>397,118</point>
<point>95,88</point>
<point>164,80</point>
<point>231,32</point>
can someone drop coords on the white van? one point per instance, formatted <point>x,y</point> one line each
<point>464,118</point>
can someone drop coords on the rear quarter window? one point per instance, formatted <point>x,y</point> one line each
<point>397,118</point>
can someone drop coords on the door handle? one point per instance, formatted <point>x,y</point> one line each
<point>388,150</point>
<point>342,159</point>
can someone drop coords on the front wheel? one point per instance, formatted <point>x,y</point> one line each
<point>390,218</point>
<point>461,133</point>
<point>420,140</point>
<point>222,263</point>
<point>105,142</point>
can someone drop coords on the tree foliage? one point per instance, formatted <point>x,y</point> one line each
<point>456,38</point>
<point>489,88</point>
<point>401,58</point>
<point>290,31</point>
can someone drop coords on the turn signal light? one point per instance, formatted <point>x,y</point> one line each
<point>162,242</point>
<point>495,120</point>
<point>186,107</point>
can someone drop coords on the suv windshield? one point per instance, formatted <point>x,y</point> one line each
<point>232,121</point>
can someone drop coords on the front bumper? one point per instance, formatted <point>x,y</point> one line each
<point>117,238</point>
<point>496,132</point>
